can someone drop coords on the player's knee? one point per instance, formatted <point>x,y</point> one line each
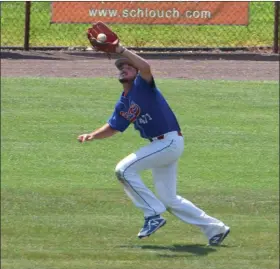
<point>124,171</point>
<point>119,171</point>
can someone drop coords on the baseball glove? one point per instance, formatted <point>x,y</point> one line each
<point>109,45</point>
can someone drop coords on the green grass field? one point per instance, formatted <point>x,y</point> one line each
<point>62,206</point>
<point>259,32</point>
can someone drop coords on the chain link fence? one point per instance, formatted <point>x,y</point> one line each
<point>253,27</point>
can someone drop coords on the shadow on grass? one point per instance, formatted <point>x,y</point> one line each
<point>31,55</point>
<point>195,249</point>
<point>200,55</point>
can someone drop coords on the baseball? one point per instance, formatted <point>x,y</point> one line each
<point>101,37</point>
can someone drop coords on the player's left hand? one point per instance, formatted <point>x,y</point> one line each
<point>109,44</point>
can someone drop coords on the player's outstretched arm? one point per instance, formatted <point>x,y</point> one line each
<point>141,64</point>
<point>103,132</point>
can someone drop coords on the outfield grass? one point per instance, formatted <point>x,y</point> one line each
<point>62,206</point>
<point>259,32</point>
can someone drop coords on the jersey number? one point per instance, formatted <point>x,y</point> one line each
<point>145,118</point>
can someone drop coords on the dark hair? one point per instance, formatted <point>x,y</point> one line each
<point>120,66</point>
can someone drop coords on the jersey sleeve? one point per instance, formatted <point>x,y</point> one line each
<point>142,83</point>
<point>117,122</point>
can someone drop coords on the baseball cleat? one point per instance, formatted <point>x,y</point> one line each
<point>151,225</point>
<point>217,239</point>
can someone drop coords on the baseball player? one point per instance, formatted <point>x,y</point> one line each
<point>142,104</point>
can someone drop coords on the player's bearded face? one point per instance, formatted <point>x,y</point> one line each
<point>127,73</point>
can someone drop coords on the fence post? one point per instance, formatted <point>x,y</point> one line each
<point>276,28</point>
<point>27,25</point>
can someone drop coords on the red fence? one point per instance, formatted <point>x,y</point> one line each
<point>143,25</point>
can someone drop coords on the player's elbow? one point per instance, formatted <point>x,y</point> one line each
<point>112,131</point>
<point>145,67</point>
<point>146,72</point>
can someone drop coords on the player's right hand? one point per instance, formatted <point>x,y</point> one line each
<point>85,137</point>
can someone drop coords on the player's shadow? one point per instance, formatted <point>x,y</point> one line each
<point>194,249</point>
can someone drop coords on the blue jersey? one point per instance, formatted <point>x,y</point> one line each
<point>146,108</point>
